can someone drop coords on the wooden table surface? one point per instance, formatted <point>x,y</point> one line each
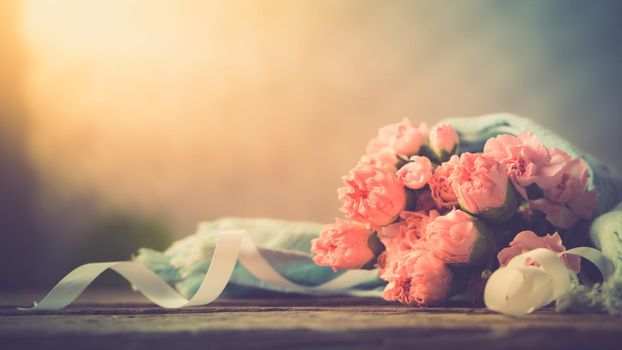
<point>111,319</point>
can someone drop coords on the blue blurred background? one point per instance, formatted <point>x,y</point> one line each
<point>123,124</point>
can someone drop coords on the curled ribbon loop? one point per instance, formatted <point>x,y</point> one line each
<point>517,289</point>
<point>231,246</point>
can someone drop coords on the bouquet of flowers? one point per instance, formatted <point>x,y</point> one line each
<point>485,210</point>
<point>437,221</point>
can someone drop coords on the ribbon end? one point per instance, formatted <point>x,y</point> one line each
<point>34,305</point>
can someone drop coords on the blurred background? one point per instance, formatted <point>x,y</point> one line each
<point>124,123</point>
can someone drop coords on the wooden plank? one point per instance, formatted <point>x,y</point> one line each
<point>119,320</point>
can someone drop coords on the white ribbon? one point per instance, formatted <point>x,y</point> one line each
<point>517,289</point>
<point>230,247</point>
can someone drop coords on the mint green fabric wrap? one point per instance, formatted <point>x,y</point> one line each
<point>606,234</point>
<point>286,244</point>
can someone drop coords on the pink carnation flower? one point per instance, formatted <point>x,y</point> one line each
<point>526,159</point>
<point>572,182</point>
<point>443,137</point>
<point>451,237</point>
<point>403,138</point>
<point>417,278</point>
<point>479,182</point>
<point>384,158</point>
<point>564,180</point>
<point>371,195</point>
<point>407,233</point>
<point>416,173</point>
<point>527,240</point>
<point>568,200</point>
<point>440,186</point>
<point>342,245</point>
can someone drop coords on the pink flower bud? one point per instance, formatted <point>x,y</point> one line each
<point>443,138</point>
<point>416,173</point>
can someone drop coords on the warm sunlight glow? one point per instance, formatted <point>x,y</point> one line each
<point>199,109</point>
<point>160,101</point>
